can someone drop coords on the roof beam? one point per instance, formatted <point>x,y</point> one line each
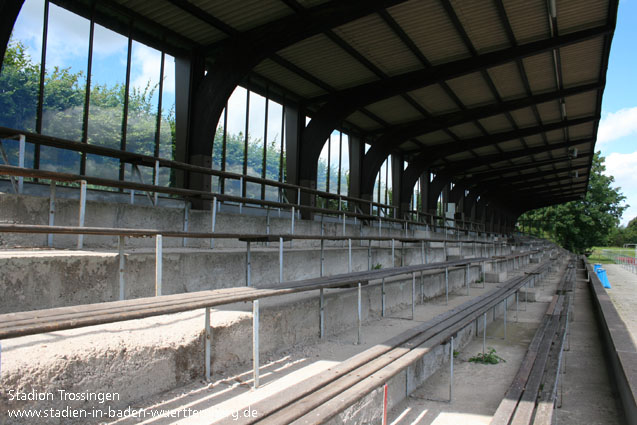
<point>397,134</point>
<point>462,165</point>
<point>440,151</point>
<point>524,185</point>
<point>518,168</point>
<point>383,146</point>
<point>237,55</point>
<point>276,35</point>
<point>379,90</point>
<point>521,177</point>
<point>340,105</point>
<point>562,188</point>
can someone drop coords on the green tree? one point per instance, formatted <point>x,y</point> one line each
<point>580,225</point>
<point>18,88</point>
<point>63,111</point>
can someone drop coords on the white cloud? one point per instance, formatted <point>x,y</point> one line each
<point>145,65</point>
<point>623,167</point>
<point>616,125</point>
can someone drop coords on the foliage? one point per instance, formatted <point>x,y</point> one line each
<point>582,224</point>
<point>490,357</point>
<point>619,236</point>
<point>377,266</point>
<point>63,112</point>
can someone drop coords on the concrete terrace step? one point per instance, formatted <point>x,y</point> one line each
<point>25,209</point>
<point>147,357</point>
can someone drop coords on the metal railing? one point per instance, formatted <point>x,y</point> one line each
<point>627,261</point>
<point>28,323</point>
<point>288,194</point>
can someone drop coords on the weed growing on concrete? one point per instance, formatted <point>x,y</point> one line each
<point>377,266</point>
<point>487,358</point>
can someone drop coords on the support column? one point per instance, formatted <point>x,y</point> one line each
<point>294,127</point>
<point>397,183</point>
<point>356,152</point>
<point>9,11</point>
<point>183,90</point>
<point>424,190</point>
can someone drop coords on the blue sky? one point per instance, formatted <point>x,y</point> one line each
<point>617,137</point>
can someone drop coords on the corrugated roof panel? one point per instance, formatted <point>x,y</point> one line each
<point>549,111</point>
<point>528,19</point>
<point>434,99</point>
<point>176,19</point>
<point>496,124</point>
<point>507,81</point>
<point>573,15</point>
<point>555,136</point>
<point>581,131</point>
<point>487,150</point>
<point>288,79</point>
<point>428,25</point>
<point>482,24</point>
<point>363,121</point>
<point>539,70</point>
<point>510,145</point>
<point>394,110</point>
<point>437,137</point>
<point>410,146</point>
<point>460,156</point>
<point>535,140</point>
<point>583,147</point>
<point>245,14</point>
<point>471,89</point>
<point>583,104</point>
<point>542,156</point>
<point>372,38</point>
<point>319,56</point>
<point>466,130</point>
<point>524,117</point>
<point>310,3</point>
<point>582,62</point>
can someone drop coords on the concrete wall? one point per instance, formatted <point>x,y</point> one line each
<point>33,279</point>
<point>24,209</point>
<point>49,279</point>
<point>150,356</point>
<point>619,346</point>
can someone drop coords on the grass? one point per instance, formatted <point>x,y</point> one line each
<point>489,357</point>
<point>598,257</point>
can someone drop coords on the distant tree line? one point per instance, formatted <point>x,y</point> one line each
<point>580,225</point>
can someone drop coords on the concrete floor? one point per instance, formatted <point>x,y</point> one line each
<point>588,395</point>
<point>477,388</point>
<point>623,293</point>
<point>232,393</point>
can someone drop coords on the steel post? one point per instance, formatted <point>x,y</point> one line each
<point>158,264</point>
<point>82,212</point>
<point>49,238</point>
<point>122,283</point>
<point>255,343</point>
<point>207,343</point>
<point>360,313</point>
<point>214,220</point>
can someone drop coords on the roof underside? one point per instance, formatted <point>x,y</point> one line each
<point>522,152</point>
